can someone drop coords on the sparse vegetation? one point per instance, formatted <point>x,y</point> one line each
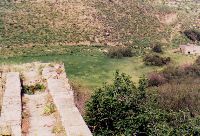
<point>57,129</point>
<point>81,96</point>
<point>49,109</point>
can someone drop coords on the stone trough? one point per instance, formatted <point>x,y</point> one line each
<point>62,96</point>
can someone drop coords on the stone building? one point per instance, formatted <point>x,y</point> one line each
<point>189,49</point>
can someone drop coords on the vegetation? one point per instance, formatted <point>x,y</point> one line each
<point>193,35</point>
<point>32,89</point>
<point>119,52</point>
<point>133,22</point>
<point>157,48</point>
<point>123,109</point>
<point>178,87</point>
<point>58,129</point>
<point>165,104</point>
<point>49,109</point>
<point>156,60</point>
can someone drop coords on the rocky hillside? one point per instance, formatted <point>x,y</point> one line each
<point>91,22</point>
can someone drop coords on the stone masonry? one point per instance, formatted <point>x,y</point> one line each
<point>11,108</point>
<point>64,100</point>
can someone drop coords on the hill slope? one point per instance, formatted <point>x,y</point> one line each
<point>102,22</point>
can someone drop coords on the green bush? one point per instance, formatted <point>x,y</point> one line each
<point>123,109</point>
<point>119,52</point>
<point>111,107</point>
<point>156,60</point>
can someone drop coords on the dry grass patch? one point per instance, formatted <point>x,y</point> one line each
<point>81,96</point>
<point>58,128</point>
<point>25,116</point>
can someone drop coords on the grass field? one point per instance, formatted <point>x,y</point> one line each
<point>85,65</point>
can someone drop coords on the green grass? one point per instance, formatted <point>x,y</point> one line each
<point>88,66</point>
<point>85,65</point>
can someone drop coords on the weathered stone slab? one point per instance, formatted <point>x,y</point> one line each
<point>11,108</point>
<point>70,116</point>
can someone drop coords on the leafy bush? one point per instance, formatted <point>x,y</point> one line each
<point>122,109</point>
<point>157,48</point>
<point>156,60</point>
<point>108,108</point>
<point>119,52</point>
<point>193,35</point>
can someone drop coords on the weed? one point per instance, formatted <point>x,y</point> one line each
<point>49,109</point>
<point>58,128</point>
<point>32,89</point>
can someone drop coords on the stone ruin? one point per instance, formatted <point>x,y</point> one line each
<point>23,114</point>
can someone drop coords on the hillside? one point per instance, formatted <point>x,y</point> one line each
<point>89,22</point>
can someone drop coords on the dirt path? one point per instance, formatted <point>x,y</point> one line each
<point>40,124</point>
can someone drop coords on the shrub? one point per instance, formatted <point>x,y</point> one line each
<point>122,109</point>
<point>197,61</point>
<point>119,52</point>
<point>156,60</point>
<point>193,35</point>
<point>157,48</point>
<point>183,96</point>
<point>156,79</point>
<point>109,106</point>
